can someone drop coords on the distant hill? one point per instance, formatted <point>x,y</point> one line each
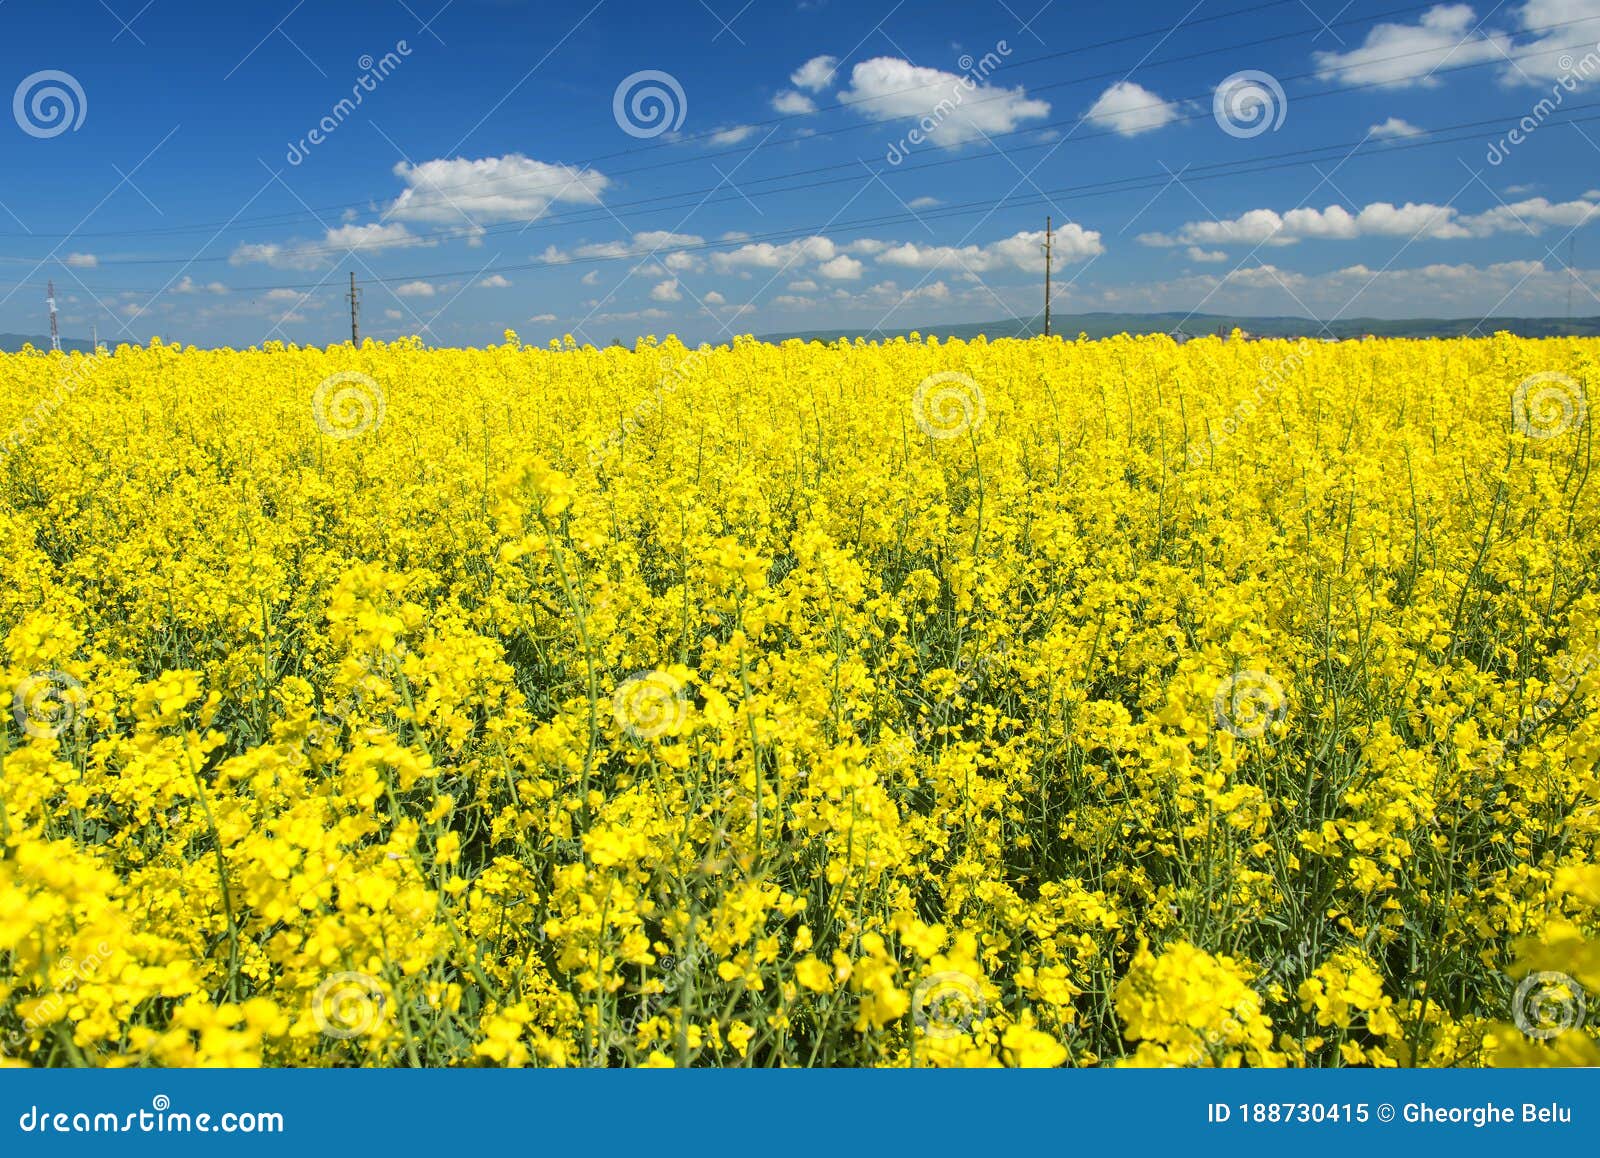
<point>1106,325</point>
<point>11,343</point>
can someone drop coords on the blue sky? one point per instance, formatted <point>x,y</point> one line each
<point>609,168</point>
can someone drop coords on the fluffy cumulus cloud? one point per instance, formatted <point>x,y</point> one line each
<point>82,260</point>
<point>495,281</point>
<point>654,239</point>
<point>1455,290</point>
<point>949,109</point>
<point>1195,253</point>
<point>189,286</point>
<point>1130,109</point>
<point>766,255</point>
<point>490,189</point>
<point>1547,55</point>
<point>793,104</point>
<point>666,291</point>
<point>1022,251</point>
<point>841,268</point>
<point>815,74</point>
<point>1394,127</point>
<point>821,261</point>
<point>644,244</point>
<point>336,242</point>
<point>415,289</point>
<point>1412,55</point>
<point>1380,219</point>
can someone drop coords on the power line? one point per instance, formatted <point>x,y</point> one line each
<point>441,192</point>
<point>1224,170</point>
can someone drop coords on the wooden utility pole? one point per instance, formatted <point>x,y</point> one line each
<point>1047,240</point>
<point>354,298</point>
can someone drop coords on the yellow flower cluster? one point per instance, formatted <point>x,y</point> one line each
<point>916,703</point>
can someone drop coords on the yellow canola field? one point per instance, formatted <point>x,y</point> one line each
<point>1020,703</point>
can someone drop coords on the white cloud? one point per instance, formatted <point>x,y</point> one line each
<point>666,291</point>
<point>665,239</point>
<point>1406,55</point>
<point>1531,216</point>
<point>415,289</point>
<point>815,74</point>
<point>1394,127</point>
<point>923,202</point>
<point>489,189</point>
<point>949,109</point>
<point>714,299</point>
<point>1549,56</point>
<point>277,256</point>
<point>590,278</point>
<point>1379,219</point>
<point>1024,251</point>
<point>841,268</point>
<point>793,104</point>
<point>650,315</point>
<point>393,315</point>
<point>1511,288</point>
<point>731,135</point>
<point>765,255</point>
<point>283,295</point>
<point>543,318</point>
<point>1130,109</point>
<point>803,286</point>
<point>82,260</point>
<point>371,238</point>
<point>494,281</point>
<point>189,286</point>
<point>1195,253</point>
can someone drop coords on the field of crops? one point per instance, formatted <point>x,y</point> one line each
<point>1020,703</point>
